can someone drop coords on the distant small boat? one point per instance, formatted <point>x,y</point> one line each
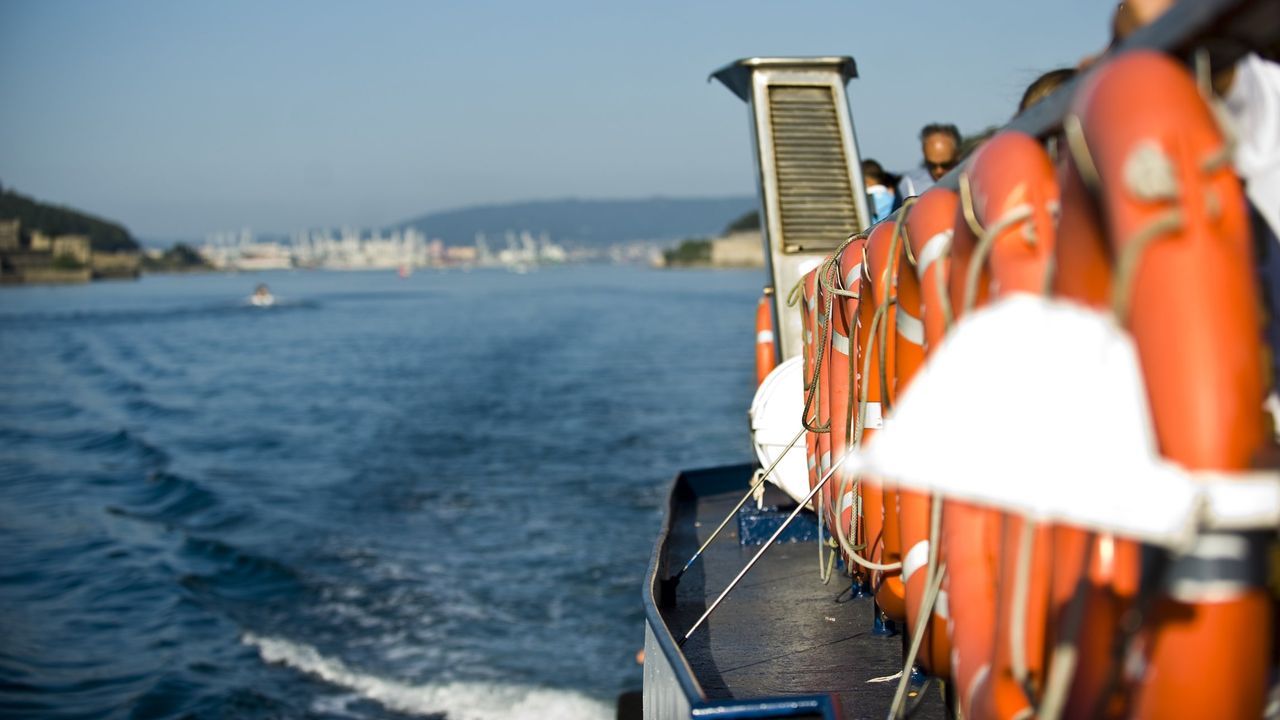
<point>262,297</point>
<point>406,271</point>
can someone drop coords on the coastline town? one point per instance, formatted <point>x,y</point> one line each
<point>41,257</point>
<point>353,249</point>
<point>35,256</point>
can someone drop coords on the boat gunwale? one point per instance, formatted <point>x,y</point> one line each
<point>657,568</point>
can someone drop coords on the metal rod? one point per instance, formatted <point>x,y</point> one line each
<point>750,564</point>
<point>738,507</point>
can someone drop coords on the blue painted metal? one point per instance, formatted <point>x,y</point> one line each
<point>883,626</point>
<point>800,706</point>
<point>861,588</point>
<point>756,526</point>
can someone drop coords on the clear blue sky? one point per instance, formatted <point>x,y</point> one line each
<point>179,118</point>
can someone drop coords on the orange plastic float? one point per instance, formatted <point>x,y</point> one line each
<point>844,273</point>
<point>821,413</point>
<point>927,229</point>
<point>766,354</point>
<point>970,534</point>
<point>1179,250</point>
<point>1094,575</point>
<point>1009,198</point>
<point>875,360</point>
<point>808,312</point>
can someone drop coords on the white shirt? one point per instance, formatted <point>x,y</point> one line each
<point>1254,105</point>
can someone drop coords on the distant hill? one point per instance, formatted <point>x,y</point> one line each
<point>587,223</point>
<point>104,235</point>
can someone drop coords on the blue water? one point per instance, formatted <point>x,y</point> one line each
<point>382,497</point>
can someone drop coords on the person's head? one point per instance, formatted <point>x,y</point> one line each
<point>1044,86</point>
<point>940,144</point>
<point>872,173</point>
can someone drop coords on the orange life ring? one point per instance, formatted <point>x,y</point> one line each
<point>928,221</point>
<point>1178,239</point>
<point>844,270</point>
<point>1102,569</point>
<point>970,534</point>
<point>808,324</point>
<point>1009,194</point>
<point>879,503</point>
<point>766,354</point>
<point>822,393</point>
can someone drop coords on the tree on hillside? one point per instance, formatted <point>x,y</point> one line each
<point>104,235</point>
<point>746,221</point>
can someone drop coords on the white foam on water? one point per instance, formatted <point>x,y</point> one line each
<point>457,700</point>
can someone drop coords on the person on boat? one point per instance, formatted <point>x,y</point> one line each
<point>940,146</point>
<point>262,296</point>
<point>880,194</point>
<point>1043,86</point>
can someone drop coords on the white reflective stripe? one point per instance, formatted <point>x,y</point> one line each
<point>846,502</point>
<point>812,302</point>
<point>874,419</point>
<point>936,247</point>
<point>854,274</point>
<point>1106,552</point>
<point>910,327</point>
<point>1219,547</point>
<point>1239,500</point>
<point>808,337</point>
<point>825,461</point>
<point>916,558</point>
<point>1207,591</point>
<point>978,679</point>
<point>941,608</point>
<point>764,336</point>
<point>812,463</point>
<point>839,342</point>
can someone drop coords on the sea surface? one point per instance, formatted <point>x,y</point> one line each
<point>380,498</point>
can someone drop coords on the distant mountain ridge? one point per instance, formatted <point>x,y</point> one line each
<point>587,223</point>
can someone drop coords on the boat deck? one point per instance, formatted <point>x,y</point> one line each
<point>781,632</point>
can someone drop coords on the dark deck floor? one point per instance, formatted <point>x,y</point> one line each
<point>781,632</point>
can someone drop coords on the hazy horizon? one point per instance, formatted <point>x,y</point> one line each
<point>177,120</point>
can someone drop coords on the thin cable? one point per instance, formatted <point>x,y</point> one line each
<point>851,549</point>
<point>1062,662</point>
<point>768,543</point>
<point>902,225</point>
<point>813,387</point>
<point>1073,130</point>
<point>1131,252</point>
<point>1018,619</point>
<point>982,249</point>
<point>890,283</point>
<point>760,481</point>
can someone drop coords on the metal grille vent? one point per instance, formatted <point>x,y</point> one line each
<point>818,210</point>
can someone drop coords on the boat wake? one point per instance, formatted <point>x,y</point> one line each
<point>454,700</point>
